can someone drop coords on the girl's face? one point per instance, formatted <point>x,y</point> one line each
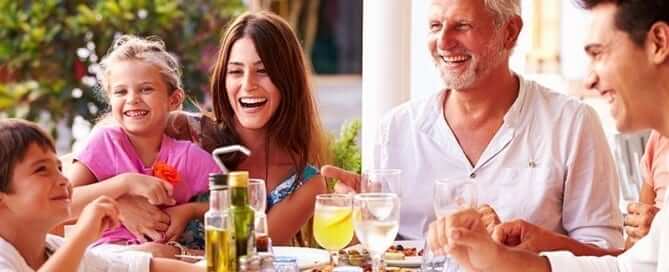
<point>252,95</point>
<point>38,191</point>
<point>139,97</point>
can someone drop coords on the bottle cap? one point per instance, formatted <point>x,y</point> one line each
<point>238,179</point>
<point>217,181</point>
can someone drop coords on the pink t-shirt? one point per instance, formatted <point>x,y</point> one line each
<point>655,163</point>
<point>109,152</point>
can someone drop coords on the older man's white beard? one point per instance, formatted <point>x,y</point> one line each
<point>476,69</point>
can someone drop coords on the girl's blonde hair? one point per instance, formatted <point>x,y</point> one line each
<point>150,49</point>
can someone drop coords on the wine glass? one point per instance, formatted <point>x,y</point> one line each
<point>376,217</point>
<point>263,241</point>
<point>451,195</point>
<point>381,181</point>
<point>333,226</point>
<point>257,195</point>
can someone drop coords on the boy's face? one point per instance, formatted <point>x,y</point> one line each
<point>38,192</point>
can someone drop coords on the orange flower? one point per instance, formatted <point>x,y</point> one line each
<point>166,172</point>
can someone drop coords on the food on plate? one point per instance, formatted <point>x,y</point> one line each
<point>399,252</point>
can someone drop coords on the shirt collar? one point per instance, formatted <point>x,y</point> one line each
<point>513,118</point>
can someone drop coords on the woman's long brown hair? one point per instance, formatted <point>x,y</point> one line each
<point>295,126</point>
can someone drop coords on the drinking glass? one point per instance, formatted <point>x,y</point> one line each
<point>257,195</point>
<point>381,181</point>
<point>286,264</point>
<point>333,226</point>
<point>376,217</point>
<point>263,241</point>
<point>451,195</point>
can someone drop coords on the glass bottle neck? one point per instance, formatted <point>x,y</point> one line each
<point>218,200</point>
<point>239,196</point>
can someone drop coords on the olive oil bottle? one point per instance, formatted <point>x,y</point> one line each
<point>219,247</point>
<point>241,214</point>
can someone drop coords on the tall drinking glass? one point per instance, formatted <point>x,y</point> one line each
<point>258,202</point>
<point>258,195</point>
<point>376,217</point>
<point>333,225</point>
<point>381,181</point>
<point>451,195</point>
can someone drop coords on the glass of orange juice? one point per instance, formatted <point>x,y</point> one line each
<point>333,222</point>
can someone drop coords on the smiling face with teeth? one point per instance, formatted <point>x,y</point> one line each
<point>253,96</point>
<point>622,72</point>
<point>465,43</point>
<point>139,97</point>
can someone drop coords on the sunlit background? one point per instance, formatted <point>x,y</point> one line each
<point>49,52</point>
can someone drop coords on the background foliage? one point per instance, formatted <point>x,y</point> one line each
<point>49,49</point>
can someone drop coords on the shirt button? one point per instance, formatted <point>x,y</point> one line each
<point>472,175</point>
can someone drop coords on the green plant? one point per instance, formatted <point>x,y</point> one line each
<point>345,149</point>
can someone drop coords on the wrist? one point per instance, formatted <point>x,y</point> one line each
<point>182,250</point>
<point>124,184</point>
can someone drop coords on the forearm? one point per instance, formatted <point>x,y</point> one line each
<point>512,259</point>
<point>168,265</point>
<point>82,195</point>
<point>68,257</point>
<point>198,209</point>
<point>563,242</point>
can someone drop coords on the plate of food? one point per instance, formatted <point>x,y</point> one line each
<point>401,254</point>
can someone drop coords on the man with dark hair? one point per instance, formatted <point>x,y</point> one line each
<point>629,48</point>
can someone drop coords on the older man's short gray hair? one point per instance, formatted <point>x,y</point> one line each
<point>503,9</point>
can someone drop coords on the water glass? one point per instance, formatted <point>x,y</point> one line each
<point>285,264</point>
<point>376,218</point>
<point>257,195</point>
<point>263,241</point>
<point>381,181</point>
<point>450,195</point>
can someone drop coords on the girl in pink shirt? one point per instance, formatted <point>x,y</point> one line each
<point>133,157</point>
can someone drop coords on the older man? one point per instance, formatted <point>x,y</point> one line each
<point>535,154</point>
<point>629,47</point>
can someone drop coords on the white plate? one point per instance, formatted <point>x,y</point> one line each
<point>410,261</point>
<point>307,258</point>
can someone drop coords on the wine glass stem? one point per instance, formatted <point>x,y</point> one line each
<point>377,263</point>
<point>334,258</point>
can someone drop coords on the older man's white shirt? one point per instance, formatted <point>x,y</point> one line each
<point>549,163</point>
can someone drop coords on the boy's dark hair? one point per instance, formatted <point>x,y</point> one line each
<point>635,17</point>
<point>16,136</point>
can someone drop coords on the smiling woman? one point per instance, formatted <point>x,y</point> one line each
<point>262,97</point>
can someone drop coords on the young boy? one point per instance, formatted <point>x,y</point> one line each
<point>35,197</point>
